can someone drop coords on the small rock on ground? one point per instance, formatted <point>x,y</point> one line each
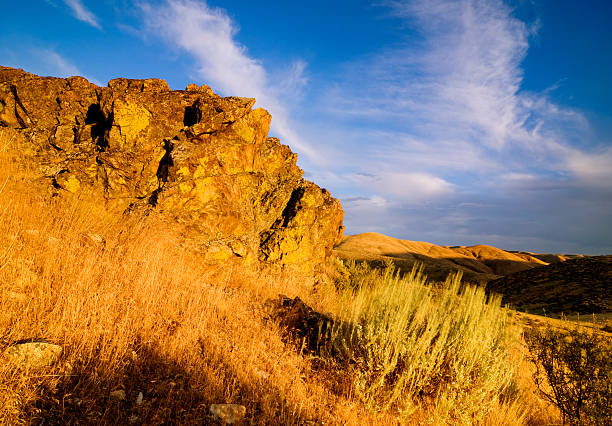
<point>33,354</point>
<point>16,296</point>
<point>94,240</point>
<point>228,413</point>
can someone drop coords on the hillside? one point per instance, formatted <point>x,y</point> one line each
<point>159,254</point>
<point>480,263</point>
<point>580,285</point>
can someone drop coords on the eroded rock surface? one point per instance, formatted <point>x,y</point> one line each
<point>206,160</point>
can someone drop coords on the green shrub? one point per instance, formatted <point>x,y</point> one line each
<point>574,372</point>
<point>406,340</point>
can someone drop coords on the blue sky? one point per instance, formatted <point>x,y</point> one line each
<point>453,122</point>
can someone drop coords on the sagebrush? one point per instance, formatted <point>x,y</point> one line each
<point>574,371</point>
<point>407,341</point>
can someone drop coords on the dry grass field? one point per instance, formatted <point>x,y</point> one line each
<point>138,313</point>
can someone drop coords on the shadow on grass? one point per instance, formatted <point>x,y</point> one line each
<point>170,394</point>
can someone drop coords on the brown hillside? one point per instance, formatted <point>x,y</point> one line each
<point>478,263</point>
<point>547,257</point>
<point>581,285</point>
<point>500,262</point>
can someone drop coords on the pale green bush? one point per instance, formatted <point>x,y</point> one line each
<point>405,340</point>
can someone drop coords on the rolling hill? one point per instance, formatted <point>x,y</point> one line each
<point>480,263</point>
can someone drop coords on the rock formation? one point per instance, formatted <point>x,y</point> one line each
<point>204,159</point>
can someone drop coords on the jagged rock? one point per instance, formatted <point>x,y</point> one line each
<point>302,322</point>
<point>228,413</point>
<point>33,354</point>
<point>205,160</point>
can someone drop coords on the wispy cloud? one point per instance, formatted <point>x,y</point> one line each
<point>449,105</point>
<point>408,187</point>
<point>59,65</point>
<point>83,14</point>
<point>52,63</point>
<point>593,169</point>
<point>208,35</point>
<point>455,96</point>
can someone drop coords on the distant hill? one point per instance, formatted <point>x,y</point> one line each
<point>531,282</point>
<point>580,285</point>
<point>479,264</point>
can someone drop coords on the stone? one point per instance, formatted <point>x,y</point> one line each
<point>302,322</point>
<point>32,232</point>
<point>118,395</point>
<point>17,296</point>
<point>202,159</point>
<point>94,240</point>
<point>33,355</point>
<point>228,413</point>
<point>262,374</point>
<point>53,242</point>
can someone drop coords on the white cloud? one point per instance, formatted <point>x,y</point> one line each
<point>82,13</point>
<point>208,35</point>
<point>594,169</point>
<point>405,186</point>
<point>453,100</point>
<point>292,81</point>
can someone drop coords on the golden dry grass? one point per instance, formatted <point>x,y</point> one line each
<point>142,314</point>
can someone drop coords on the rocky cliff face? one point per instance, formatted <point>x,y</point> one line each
<point>204,159</point>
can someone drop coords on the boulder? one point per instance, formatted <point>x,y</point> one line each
<point>302,322</point>
<point>33,355</point>
<point>205,160</point>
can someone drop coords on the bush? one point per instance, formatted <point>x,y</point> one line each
<point>574,371</point>
<point>404,340</point>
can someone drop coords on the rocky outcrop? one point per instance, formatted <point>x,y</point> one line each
<point>204,159</point>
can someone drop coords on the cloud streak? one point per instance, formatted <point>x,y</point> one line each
<point>61,66</point>
<point>208,35</point>
<point>83,14</point>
